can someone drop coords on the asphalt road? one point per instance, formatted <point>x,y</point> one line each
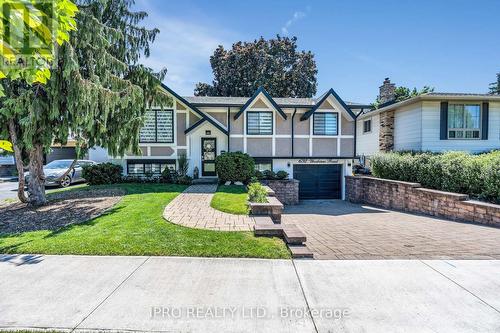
<point>8,190</point>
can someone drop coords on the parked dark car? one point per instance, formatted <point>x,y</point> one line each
<point>54,172</point>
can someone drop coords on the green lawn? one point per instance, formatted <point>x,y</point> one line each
<point>231,199</point>
<point>135,226</point>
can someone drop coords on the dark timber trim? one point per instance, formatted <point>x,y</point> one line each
<point>196,110</point>
<point>196,124</point>
<point>293,132</point>
<point>228,127</point>
<point>330,92</point>
<point>266,94</point>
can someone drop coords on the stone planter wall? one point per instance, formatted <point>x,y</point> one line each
<point>412,197</point>
<point>273,208</point>
<point>287,190</point>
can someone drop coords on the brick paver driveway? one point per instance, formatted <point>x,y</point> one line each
<point>340,230</point>
<point>192,209</point>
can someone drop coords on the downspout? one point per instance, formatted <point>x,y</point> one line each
<point>293,116</point>
<point>228,126</point>
<point>356,130</point>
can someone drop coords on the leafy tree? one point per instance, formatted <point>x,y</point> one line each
<point>403,93</point>
<point>274,64</point>
<point>97,93</point>
<point>46,24</point>
<point>495,86</point>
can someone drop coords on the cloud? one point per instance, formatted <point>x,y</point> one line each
<point>185,48</point>
<point>298,15</point>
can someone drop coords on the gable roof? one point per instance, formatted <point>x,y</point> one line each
<point>283,102</point>
<point>323,98</point>
<point>255,95</point>
<point>432,96</point>
<point>203,115</point>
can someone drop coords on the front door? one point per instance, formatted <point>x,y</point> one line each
<point>208,154</point>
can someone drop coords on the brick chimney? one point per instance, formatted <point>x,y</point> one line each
<point>387,91</point>
<point>386,132</point>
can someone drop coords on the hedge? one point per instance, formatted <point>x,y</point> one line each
<point>460,172</point>
<point>104,173</point>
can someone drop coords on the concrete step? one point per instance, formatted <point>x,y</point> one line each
<point>300,252</point>
<point>263,219</point>
<point>272,230</point>
<point>205,181</point>
<point>293,235</point>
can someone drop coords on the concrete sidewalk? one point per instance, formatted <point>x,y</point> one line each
<point>82,293</point>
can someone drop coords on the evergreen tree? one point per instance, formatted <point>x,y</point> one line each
<point>495,86</point>
<point>43,24</point>
<point>98,92</point>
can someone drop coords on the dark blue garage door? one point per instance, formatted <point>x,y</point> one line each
<point>318,181</point>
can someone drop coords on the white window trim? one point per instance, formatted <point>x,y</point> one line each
<point>273,129</point>
<point>338,123</point>
<point>480,129</point>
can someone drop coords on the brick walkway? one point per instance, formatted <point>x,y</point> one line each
<point>192,209</point>
<point>341,230</point>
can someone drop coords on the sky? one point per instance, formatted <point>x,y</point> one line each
<point>451,45</point>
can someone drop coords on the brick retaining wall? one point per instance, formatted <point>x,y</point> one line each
<point>287,190</point>
<point>411,197</point>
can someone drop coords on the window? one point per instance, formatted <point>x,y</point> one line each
<point>325,123</point>
<point>464,121</point>
<point>260,123</point>
<point>156,167</point>
<point>158,127</point>
<point>263,164</point>
<point>367,126</point>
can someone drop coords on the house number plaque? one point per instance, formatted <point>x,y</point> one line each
<point>317,161</point>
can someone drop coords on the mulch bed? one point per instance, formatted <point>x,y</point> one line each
<point>64,208</point>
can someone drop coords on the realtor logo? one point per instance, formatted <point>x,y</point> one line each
<point>28,32</point>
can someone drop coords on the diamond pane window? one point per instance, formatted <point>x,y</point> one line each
<point>158,127</point>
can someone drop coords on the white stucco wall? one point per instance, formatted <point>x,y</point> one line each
<point>430,131</point>
<point>367,143</point>
<point>194,144</point>
<point>408,127</point>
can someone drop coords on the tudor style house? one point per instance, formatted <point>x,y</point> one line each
<point>314,140</point>
<point>430,122</point>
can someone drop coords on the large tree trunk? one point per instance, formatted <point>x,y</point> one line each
<point>19,162</point>
<point>36,182</point>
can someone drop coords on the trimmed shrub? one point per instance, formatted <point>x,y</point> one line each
<point>460,172</point>
<point>281,174</point>
<point>235,167</point>
<point>184,180</point>
<point>104,173</point>
<point>155,179</point>
<point>258,175</point>
<point>257,193</point>
<point>268,175</point>
<point>169,176</point>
